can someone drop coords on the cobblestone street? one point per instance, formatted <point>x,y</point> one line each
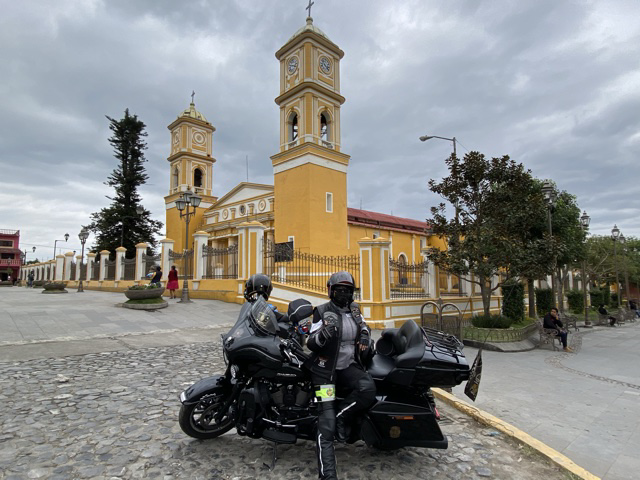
<point>114,415</point>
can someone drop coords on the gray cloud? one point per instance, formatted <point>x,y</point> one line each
<point>553,84</point>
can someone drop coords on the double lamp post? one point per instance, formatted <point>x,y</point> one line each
<point>183,204</point>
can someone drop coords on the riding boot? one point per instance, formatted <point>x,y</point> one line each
<point>324,442</point>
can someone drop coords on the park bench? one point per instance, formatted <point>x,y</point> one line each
<point>548,335</point>
<point>569,321</point>
<point>603,319</point>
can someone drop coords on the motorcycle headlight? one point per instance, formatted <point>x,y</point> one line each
<point>234,371</point>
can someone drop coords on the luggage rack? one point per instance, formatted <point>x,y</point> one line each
<point>440,338</point>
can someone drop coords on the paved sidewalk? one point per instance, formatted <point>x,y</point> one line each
<point>585,405</point>
<point>27,315</point>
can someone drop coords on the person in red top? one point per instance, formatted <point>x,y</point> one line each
<point>173,285</point>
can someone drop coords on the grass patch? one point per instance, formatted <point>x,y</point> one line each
<point>145,301</point>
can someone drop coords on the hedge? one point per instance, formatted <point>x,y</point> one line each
<point>513,301</point>
<point>544,300</point>
<point>491,321</point>
<point>576,301</point>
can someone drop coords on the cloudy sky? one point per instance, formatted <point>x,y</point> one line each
<point>554,84</point>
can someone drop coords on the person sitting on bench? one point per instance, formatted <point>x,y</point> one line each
<point>603,311</point>
<point>552,322</point>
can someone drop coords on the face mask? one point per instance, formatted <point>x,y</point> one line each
<point>342,297</point>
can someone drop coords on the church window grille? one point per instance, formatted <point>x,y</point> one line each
<point>197,178</point>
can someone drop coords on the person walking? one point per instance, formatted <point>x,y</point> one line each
<point>172,283</point>
<point>30,280</point>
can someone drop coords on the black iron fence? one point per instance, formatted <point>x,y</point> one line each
<point>284,264</point>
<point>72,271</point>
<point>220,262</point>
<point>181,261</point>
<point>129,268</point>
<point>95,271</point>
<point>408,280</point>
<point>110,270</point>
<point>149,264</point>
<point>83,270</point>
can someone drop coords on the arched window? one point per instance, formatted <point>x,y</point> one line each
<point>176,177</point>
<point>324,127</point>
<point>402,258</point>
<point>293,127</point>
<point>197,178</point>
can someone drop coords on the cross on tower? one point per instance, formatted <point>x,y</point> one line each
<point>193,94</point>
<point>309,7</point>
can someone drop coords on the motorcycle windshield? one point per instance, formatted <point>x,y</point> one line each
<point>263,319</point>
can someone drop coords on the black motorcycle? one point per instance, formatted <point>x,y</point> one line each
<point>265,392</point>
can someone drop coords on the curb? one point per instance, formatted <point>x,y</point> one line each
<point>515,433</point>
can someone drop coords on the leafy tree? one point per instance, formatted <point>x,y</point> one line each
<point>120,218</point>
<point>494,201</point>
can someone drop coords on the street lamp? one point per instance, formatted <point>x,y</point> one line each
<point>626,272</point>
<point>424,138</point>
<point>584,223</point>
<point>183,203</point>
<point>615,235</point>
<point>66,237</point>
<point>83,235</point>
<point>550,196</point>
<point>139,211</point>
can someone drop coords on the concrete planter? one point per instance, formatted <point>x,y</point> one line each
<point>54,287</point>
<point>38,283</point>
<point>144,294</point>
<point>6,284</point>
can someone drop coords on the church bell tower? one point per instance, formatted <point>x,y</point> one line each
<point>310,171</point>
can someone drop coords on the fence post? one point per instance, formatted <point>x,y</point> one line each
<point>59,267</point>
<point>165,262</point>
<point>120,251</point>
<point>104,256</point>
<point>78,267</point>
<point>250,236</point>
<point>199,239</point>
<point>374,277</point>
<point>68,258</point>
<point>140,249</point>
<point>91,259</point>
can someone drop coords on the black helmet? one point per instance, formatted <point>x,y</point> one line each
<point>341,296</point>
<point>258,284</point>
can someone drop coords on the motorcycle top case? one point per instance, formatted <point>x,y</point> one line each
<point>390,425</point>
<point>441,367</point>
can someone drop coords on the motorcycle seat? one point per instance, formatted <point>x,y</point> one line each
<point>405,344</point>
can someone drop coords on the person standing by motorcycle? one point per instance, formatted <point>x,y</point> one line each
<point>338,339</point>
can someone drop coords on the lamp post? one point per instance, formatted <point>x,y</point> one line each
<point>187,199</point>
<point>139,211</point>
<point>584,222</point>
<point>550,196</point>
<point>66,237</point>
<point>23,257</point>
<point>83,235</point>
<point>626,272</point>
<point>424,138</point>
<point>615,234</point>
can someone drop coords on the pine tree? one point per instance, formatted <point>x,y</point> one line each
<point>120,220</point>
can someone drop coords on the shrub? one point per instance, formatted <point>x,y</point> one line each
<point>614,300</point>
<point>576,301</point>
<point>544,300</point>
<point>513,301</point>
<point>491,321</point>
<point>145,287</point>
<point>597,297</point>
<point>606,295</point>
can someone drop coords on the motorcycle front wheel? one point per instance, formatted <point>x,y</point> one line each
<point>197,420</point>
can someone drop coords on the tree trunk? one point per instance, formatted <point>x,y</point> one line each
<point>485,292</point>
<point>532,298</point>
<point>560,287</point>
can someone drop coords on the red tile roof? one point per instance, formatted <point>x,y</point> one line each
<point>384,221</point>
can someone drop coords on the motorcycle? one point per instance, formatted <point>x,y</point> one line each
<point>266,393</point>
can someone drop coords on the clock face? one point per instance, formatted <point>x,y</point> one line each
<point>325,64</point>
<point>292,65</point>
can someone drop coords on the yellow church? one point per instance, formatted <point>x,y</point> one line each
<point>298,230</point>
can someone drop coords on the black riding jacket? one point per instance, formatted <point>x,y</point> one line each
<point>322,362</point>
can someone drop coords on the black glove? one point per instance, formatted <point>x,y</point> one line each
<point>364,337</point>
<point>329,328</point>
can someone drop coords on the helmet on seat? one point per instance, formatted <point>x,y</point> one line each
<point>258,284</point>
<point>341,287</point>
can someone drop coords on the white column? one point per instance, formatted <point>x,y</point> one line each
<point>120,251</point>
<point>59,267</point>
<point>140,249</point>
<point>570,280</point>
<point>166,244</point>
<point>91,258</point>
<point>250,236</point>
<point>68,258</point>
<point>78,267</point>
<point>104,256</point>
<point>199,240</point>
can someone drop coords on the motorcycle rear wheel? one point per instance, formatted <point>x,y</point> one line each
<point>197,420</point>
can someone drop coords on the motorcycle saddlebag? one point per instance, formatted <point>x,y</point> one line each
<point>441,368</point>
<point>391,425</point>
